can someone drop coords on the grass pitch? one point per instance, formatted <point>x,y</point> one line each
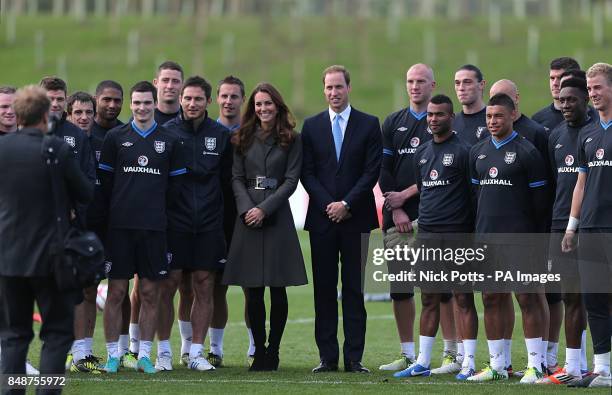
<point>299,355</point>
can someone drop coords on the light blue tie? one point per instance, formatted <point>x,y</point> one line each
<point>337,132</point>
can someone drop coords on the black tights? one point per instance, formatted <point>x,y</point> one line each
<point>257,315</point>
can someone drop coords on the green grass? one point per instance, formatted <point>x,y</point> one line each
<point>298,356</point>
<point>277,48</point>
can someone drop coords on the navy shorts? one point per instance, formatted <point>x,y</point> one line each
<point>564,263</point>
<point>141,252</point>
<point>197,251</point>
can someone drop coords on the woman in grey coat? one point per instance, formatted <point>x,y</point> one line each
<point>265,250</point>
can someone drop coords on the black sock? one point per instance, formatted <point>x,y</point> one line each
<point>278,316</point>
<point>256,309</point>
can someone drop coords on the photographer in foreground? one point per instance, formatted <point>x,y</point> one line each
<point>28,228</point>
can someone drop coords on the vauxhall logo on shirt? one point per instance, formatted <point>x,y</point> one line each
<point>143,162</point>
<point>433,176</point>
<point>568,168</point>
<point>600,162</point>
<point>414,143</point>
<point>493,180</point>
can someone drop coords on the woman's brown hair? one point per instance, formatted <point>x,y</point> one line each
<point>283,130</point>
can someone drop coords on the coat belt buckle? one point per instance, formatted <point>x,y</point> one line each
<point>259,182</point>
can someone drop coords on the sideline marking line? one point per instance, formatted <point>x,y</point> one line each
<point>271,381</point>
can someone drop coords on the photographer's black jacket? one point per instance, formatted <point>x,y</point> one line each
<point>27,208</point>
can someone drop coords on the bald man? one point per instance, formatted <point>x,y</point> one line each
<point>403,132</point>
<point>526,127</point>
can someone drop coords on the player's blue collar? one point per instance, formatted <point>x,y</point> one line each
<point>505,141</point>
<point>143,133</point>
<point>231,128</point>
<point>605,125</point>
<point>418,115</point>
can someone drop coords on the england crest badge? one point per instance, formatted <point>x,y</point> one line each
<point>447,159</point>
<point>510,157</point>
<point>70,140</point>
<point>210,143</point>
<point>160,146</point>
<point>480,131</point>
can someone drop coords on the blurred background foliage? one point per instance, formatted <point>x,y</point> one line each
<point>289,43</point>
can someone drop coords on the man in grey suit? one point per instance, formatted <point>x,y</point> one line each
<point>28,230</point>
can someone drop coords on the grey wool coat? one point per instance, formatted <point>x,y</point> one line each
<point>270,255</point>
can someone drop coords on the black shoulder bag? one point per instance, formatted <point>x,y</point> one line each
<point>78,255</point>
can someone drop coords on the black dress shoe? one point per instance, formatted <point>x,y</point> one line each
<point>258,364</point>
<point>355,367</point>
<point>325,366</point>
<point>271,360</point>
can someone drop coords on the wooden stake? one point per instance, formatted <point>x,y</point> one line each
<point>11,28</point>
<point>79,10</point>
<point>495,22</point>
<point>520,9</point>
<point>598,24</point>
<point>147,9</point>
<point>39,48</point>
<point>133,48</point>
<point>399,94</point>
<point>533,44</point>
<point>58,8</point>
<point>555,11</point>
<point>32,7</point>
<point>429,47</point>
<point>471,57</point>
<point>100,8</point>
<point>62,69</point>
<point>227,48</point>
<point>585,9</point>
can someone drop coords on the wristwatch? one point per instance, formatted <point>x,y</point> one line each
<point>346,205</point>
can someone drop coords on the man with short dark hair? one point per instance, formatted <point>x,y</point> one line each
<point>341,214</point>
<point>195,223</point>
<point>230,98</point>
<point>81,109</point>
<point>470,123</point>
<point>509,168</point>
<point>563,147</point>
<point>138,160</point>
<point>108,100</point>
<point>168,82</point>
<point>29,234</point>
<point>8,120</point>
<point>56,92</point>
<point>551,116</point>
<point>441,168</point>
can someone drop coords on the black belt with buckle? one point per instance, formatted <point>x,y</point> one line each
<point>261,182</point>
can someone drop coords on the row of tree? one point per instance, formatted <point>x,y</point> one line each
<point>453,9</point>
